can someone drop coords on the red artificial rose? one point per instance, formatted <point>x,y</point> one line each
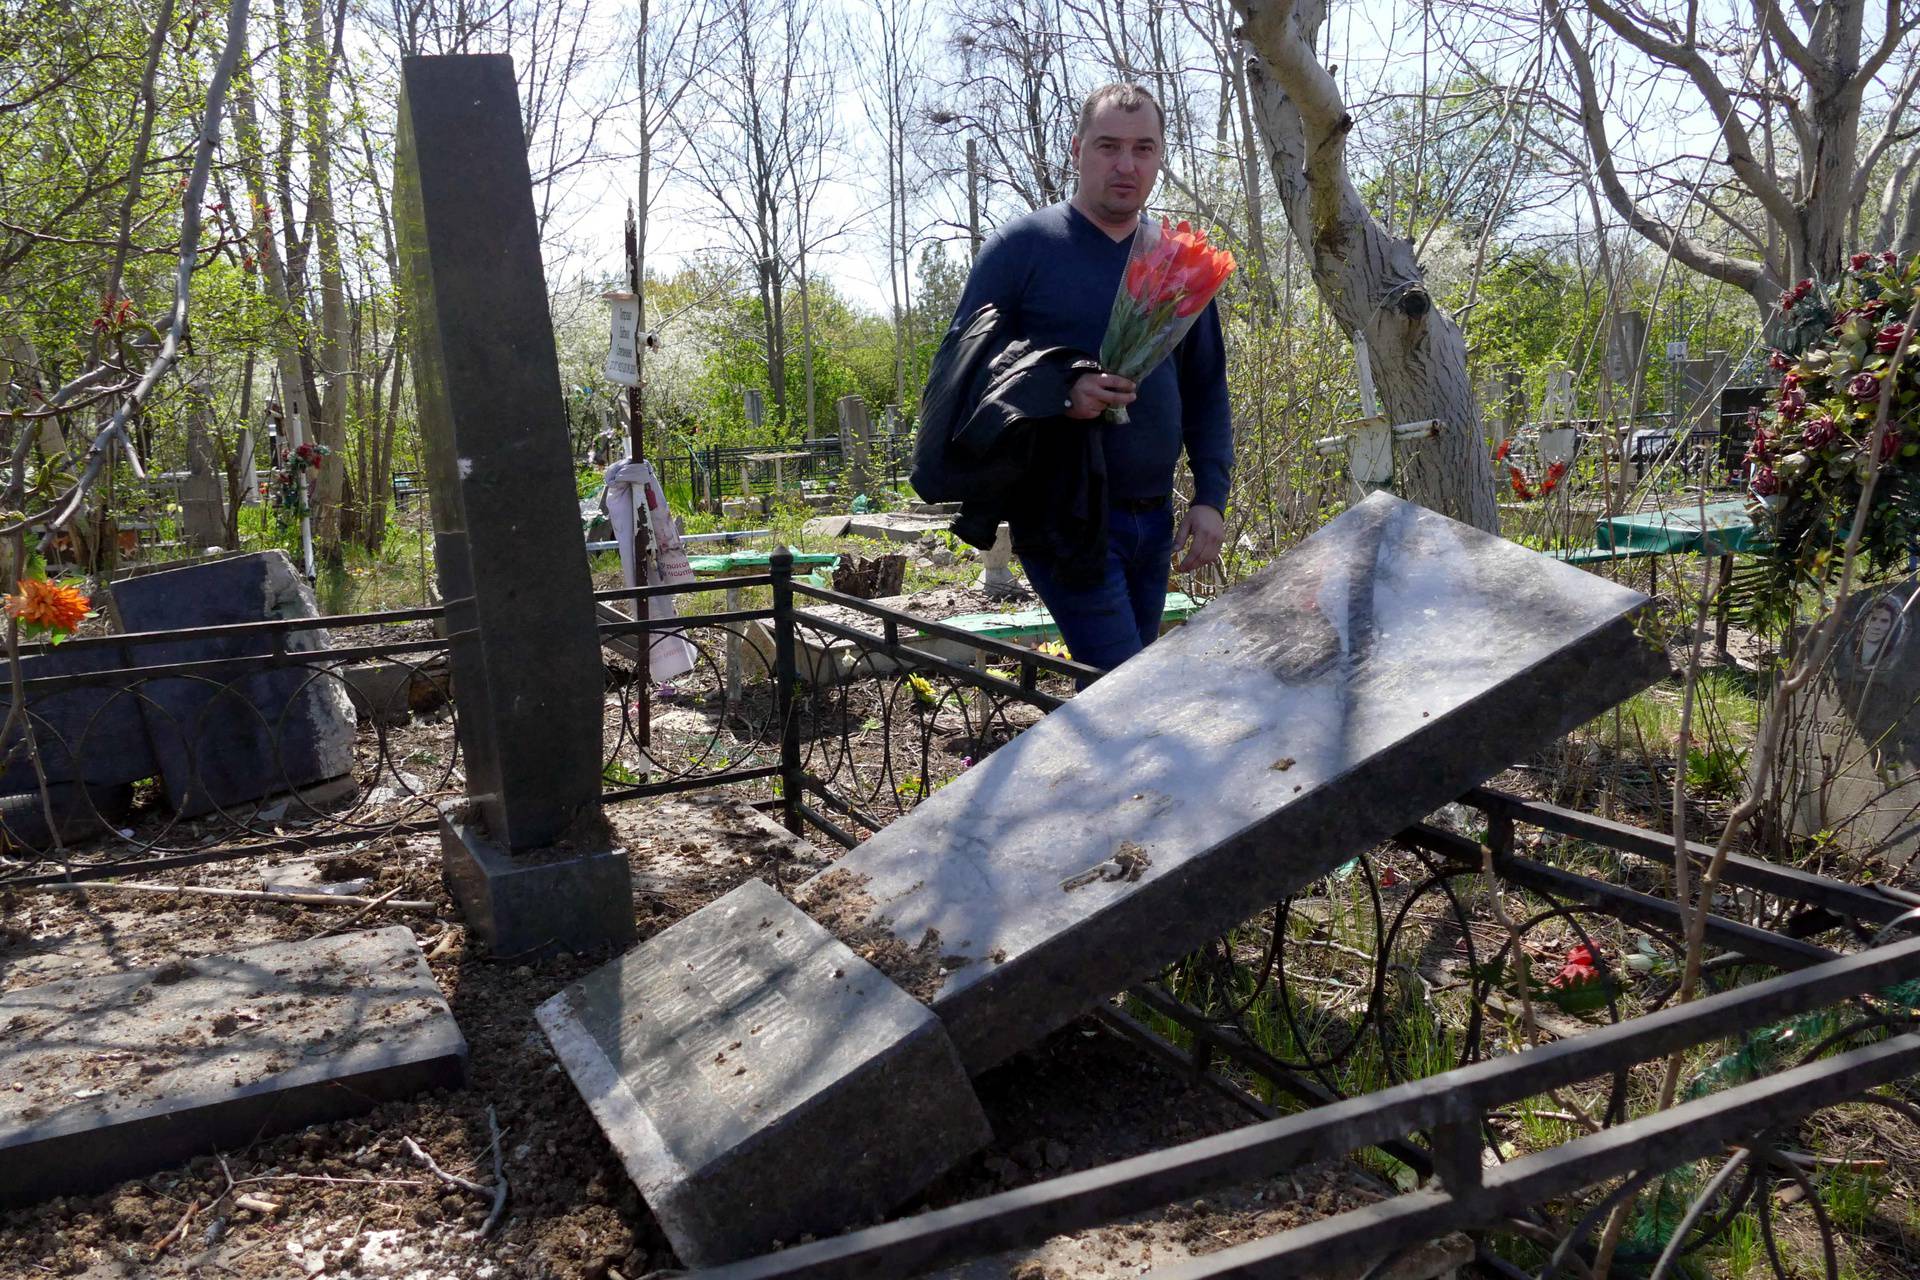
<point>1889,446</point>
<point>1888,340</point>
<point>1864,386</point>
<point>1793,403</point>
<point>1819,433</point>
<point>1765,483</point>
<point>1578,969</point>
<point>1778,362</point>
<point>1860,261</point>
<point>1500,454</point>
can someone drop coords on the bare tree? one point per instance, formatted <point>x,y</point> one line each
<point>1015,93</point>
<point>669,56</point>
<point>757,127</point>
<point>899,30</point>
<point>1786,93</point>
<point>1369,280</point>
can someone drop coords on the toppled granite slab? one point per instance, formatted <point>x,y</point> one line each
<point>117,1074</point>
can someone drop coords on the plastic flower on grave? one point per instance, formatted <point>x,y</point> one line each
<point>1578,970</point>
<point>1171,275</point>
<point>46,608</point>
<point>1500,454</point>
<point>1848,361</point>
<point>1820,432</point>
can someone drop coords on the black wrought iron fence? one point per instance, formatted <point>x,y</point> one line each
<point>1384,998</point>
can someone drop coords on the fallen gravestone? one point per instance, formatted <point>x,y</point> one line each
<point>1366,678</point>
<point>1377,671</point>
<point>759,1080</point>
<point>226,738</point>
<point>1856,773</point>
<point>115,1075</point>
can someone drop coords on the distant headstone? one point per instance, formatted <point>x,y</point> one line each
<point>523,640</point>
<point>223,739</point>
<point>120,1074</point>
<point>203,509</point>
<point>1626,344</point>
<point>1376,671</point>
<point>1700,382</point>
<point>856,438</point>
<point>761,1081</point>
<point>1557,405</point>
<point>1856,772</point>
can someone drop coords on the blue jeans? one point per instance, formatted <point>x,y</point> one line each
<point>1106,622</point>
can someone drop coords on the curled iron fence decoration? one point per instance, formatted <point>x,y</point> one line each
<point>136,752</point>
<point>1386,999</point>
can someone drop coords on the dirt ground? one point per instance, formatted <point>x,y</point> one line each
<point>351,1198</point>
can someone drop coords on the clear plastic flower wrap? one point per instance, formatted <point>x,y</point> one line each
<point>1172,273</point>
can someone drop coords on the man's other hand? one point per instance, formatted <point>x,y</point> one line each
<point>1094,392</point>
<point>1202,532</point>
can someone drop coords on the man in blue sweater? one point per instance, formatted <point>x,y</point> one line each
<point>1055,271</point>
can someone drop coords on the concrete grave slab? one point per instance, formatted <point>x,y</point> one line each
<point>826,526</point>
<point>1375,672</point>
<point>118,1074</point>
<point>896,527</point>
<point>381,691</point>
<point>759,1080</point>
<point>227,739</point>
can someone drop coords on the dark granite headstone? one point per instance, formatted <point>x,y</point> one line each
<point>1369,676</point>
<point>1856,772</point>
<point>225,739</point>
<point>92,744</point>
<point>520,622</point>
<point>116,1075</point>
<point>761,1081</point>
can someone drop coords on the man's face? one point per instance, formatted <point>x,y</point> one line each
<point>1118,158</point>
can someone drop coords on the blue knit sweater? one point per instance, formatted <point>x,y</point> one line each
<point>1056,273</point>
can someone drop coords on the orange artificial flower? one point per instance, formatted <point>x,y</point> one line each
<point>41,602</point>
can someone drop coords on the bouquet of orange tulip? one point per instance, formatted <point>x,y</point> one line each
<point>1172,273</point>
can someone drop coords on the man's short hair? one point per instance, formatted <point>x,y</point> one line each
<point>1128,97</point>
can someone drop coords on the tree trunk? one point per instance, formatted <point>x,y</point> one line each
<point>1369,280</point>
<point>330,423</point>
<point>295,406</point>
